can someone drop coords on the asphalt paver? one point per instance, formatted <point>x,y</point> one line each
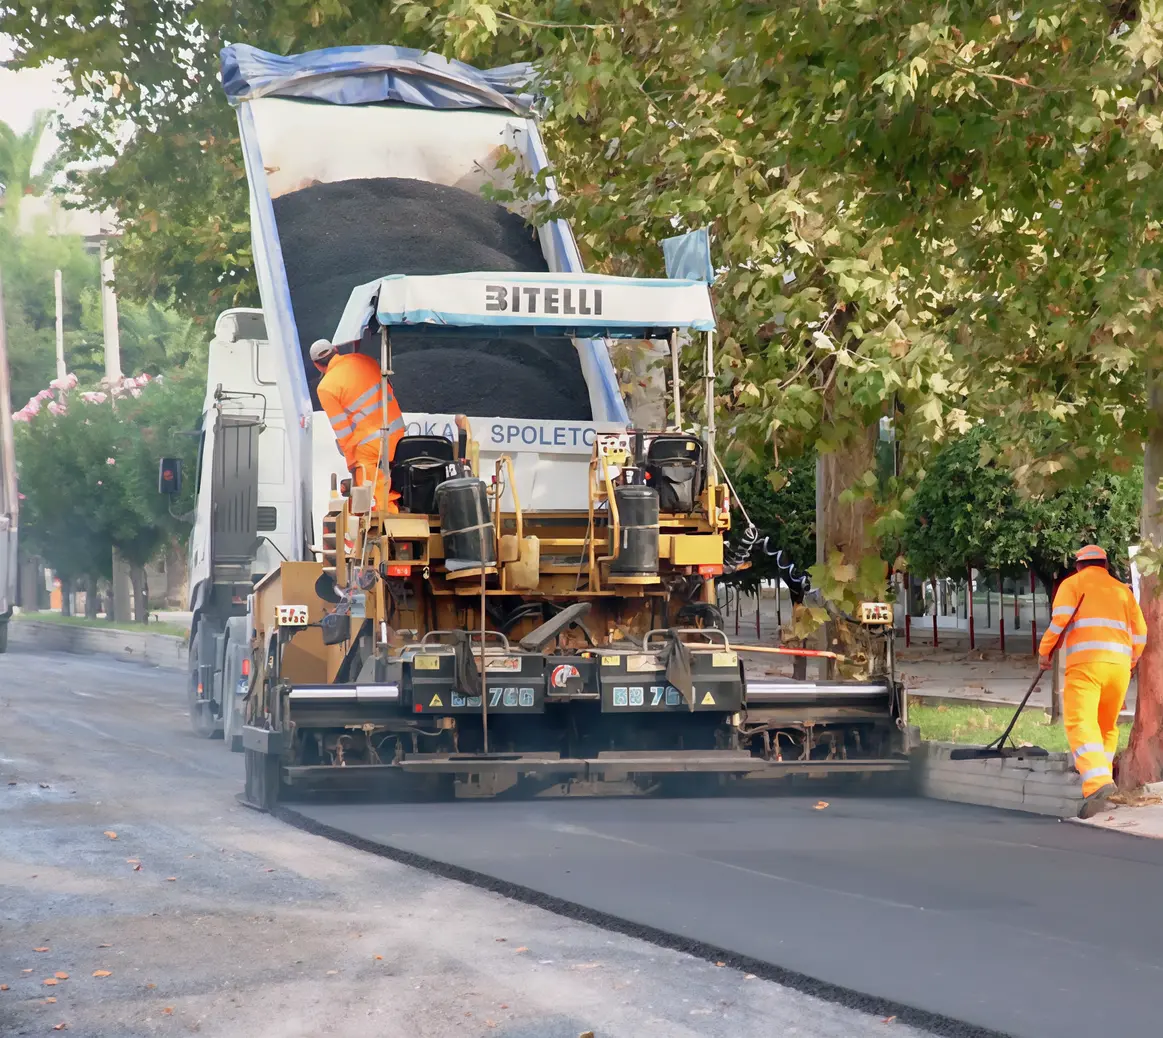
<point>1012,923</point>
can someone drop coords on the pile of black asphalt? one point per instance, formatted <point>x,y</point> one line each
<point>340,235</point>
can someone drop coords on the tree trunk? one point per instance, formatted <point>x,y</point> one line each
<point>31,581</point>
<point>844,528</point>
<point>66,596</point>
<point>92,598</point>
<point>1142,761</point>
<point>140,594</point>
<point>176,566</point>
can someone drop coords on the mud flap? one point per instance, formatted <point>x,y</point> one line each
<point>263,762</point>
<point>262,781</point>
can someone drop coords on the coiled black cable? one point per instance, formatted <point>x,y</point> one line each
<point>734,555</point>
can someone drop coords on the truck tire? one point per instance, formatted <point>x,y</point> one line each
<point>233,706</point>
<point>201,719</point>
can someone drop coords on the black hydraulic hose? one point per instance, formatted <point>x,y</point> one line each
<point>750,544</point>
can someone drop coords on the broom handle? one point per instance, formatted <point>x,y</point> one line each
<point>1000,742</point>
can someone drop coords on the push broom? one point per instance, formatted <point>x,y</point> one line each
<point>997,748</point>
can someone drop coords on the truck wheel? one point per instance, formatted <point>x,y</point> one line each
<point>201,719</point>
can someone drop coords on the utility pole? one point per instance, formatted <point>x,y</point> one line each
<point>109,318</point>
<point>9,498</point>
<point>122,586</point>
<point>58,290</point>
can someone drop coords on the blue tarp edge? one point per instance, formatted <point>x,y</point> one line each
<point>366,75</point>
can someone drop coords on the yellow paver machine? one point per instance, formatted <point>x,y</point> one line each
<point>463,644</point>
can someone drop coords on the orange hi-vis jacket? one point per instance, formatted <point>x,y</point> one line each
<point>1109,628</point>
<point>350,394</point>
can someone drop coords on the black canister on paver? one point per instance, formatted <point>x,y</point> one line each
<point>637,554</point>
<point>466,530</point>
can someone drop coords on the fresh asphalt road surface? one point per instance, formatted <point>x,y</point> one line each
<point>1023,925</point>
<point>237,924</point>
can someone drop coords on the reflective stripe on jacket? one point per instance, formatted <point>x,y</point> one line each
<point>350,394</point>
<point>1109,628</point>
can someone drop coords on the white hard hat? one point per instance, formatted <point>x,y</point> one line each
<point>321,349</point>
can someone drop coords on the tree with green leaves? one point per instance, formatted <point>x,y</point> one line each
<point>88,469</point>
<point>969,511</point>
<point>155,337</point>
<point>19,172</point>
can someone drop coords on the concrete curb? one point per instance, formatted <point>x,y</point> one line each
<point>1037,785</point>
<point>158,650</point>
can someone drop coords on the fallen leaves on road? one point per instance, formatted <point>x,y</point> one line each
<point>889,1020</point>
<point>44,785</point>
<point>490,1023</point>
<point>379,958</point>
<point>720,964</point>
<point>3,987</point>
<point>26,971</point>
<point>586,966</point>
<point>749,976</point>
<point>517,951</point>
<point>820,805</point>
<point>40,949</point>
<point>48,1001</point>
<point>104,946</point>
<point>132,861</point>
<point>50,982</point>
<point>151,986</point>
<point>111,834</point>
<point>586,1034</point>
<point>331,973</point>
<point>62,1026</point>
<point>501,940</point>
<point>61,976</point>
<point>171,879</point>
<point>168,1010</point>
<point>137,867</point>
<point>102,973</point>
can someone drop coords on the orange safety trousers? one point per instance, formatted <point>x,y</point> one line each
<point>367,465</point>
<point>1092,697</point>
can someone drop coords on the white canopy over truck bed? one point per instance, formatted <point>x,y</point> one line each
<point>352,113</point>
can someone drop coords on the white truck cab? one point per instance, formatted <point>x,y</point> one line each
<point>242,519</point>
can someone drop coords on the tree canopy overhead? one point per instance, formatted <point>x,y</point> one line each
<point>945,204</point>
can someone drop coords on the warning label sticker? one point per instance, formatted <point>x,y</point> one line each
<point>707,700</point>
<point>436,700</point>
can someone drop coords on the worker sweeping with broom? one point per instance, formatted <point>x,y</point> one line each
<point>1102,633</point>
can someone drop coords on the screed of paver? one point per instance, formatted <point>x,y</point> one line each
<point>270,932</point>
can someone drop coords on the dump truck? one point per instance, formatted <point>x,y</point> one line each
<point>539,615</point>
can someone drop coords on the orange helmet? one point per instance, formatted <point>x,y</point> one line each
<point>1090,553</point>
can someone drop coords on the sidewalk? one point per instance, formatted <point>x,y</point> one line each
<point>981,676</point>
<point>1143,817</point>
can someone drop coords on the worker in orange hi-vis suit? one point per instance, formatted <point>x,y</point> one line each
<point>1102,645</point>
<point>350,392</point>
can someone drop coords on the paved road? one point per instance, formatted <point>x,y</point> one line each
<point>270,932</point>
<point>1024,925</point>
